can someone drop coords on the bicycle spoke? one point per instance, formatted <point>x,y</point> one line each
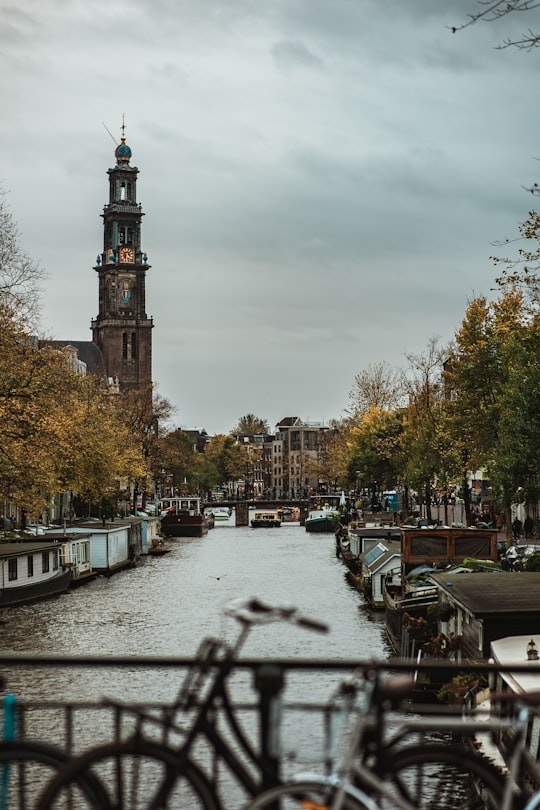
<point>443,777</point>
<point>137,776</point>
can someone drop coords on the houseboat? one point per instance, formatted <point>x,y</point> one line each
<point>376,563</point>
<point>322,519</point>
<point>184,517</point>
<point>75,554</point>
<point>266,519</point>
<point>30,571</point>
<point>409,590</point>
<point>113,546</point>
<point>355,539</point>
<point>483,607</point>
<point>520,652</point>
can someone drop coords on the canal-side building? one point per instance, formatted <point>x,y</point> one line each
<point>298,450</point>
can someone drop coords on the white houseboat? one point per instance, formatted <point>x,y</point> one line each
<point>31,570</point>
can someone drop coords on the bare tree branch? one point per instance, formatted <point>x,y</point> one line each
<point>21,278</point>
<point>493,10</point>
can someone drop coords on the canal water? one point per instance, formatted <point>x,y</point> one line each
<point>167,604</point>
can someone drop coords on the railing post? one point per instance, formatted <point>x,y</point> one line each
<point>241,512</point>
<point>269,680</point>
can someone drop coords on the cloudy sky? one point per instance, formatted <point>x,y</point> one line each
<point>323,180</point>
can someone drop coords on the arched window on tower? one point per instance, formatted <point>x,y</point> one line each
<point>129,191</point>
<point>122,191</point>
<point>124,346</point>
<point>129,236</point>
<point>133,346</point>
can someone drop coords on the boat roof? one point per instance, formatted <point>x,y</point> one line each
<point>513,650</point>
<point>380,555</point>
<point>16,549</point>
<point>484,593</point>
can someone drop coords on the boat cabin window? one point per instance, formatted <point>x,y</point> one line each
<point>429,546</point>
<point>374,553</point>
<point>479,547</point>
<point>12,569</point>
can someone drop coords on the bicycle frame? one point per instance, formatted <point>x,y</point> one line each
<point>218,657</point>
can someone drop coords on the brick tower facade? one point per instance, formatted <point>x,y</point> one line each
<point>122,330</point>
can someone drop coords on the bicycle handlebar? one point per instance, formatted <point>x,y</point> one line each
<point>253,611</point>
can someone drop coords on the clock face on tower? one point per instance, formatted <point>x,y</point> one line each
<point>127,254</point>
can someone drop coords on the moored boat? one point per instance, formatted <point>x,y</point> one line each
<point>409,592</point>
<point>30,571</point>
<point>290,514</point>
<point>219,513</point>
<point>183,517</point>
<point>322,519</point>
<point>266,519</point>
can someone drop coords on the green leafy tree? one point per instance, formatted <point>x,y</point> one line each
<point>375,448</point>
<point>250,425</point>
<point>177,459</point>
<point>228,457</point>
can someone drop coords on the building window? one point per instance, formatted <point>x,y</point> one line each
<point>30,565</point>
<point>12,570</point>
<point>124,346</point>
<point>133,346</point>
<point>45,561</point>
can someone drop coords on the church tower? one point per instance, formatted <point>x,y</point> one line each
<point>122,329</point>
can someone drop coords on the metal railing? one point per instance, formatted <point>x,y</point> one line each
<point>86,692</point>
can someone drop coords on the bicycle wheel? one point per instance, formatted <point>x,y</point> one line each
<point>26,767</point>
<point>308,795</point>
<point>445,777</point>
<point>136,774</point>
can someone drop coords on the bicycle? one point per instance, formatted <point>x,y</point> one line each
<point>27,765</point>
<point>144,773</point>
<point>375,772</point>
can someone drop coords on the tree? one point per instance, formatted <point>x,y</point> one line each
<point>228,458</point>
<point>250,425</point>
<point>332,462</point>
<point>378,386</point>
<point>58,430</point>
<point>425,443</point>
<point>489,366</point>
<point>494,10</point>
<point>20,277</point>
<point>522,270</point>
<point>374,447</point>
<point>143,411</point>
<point>177,460</point>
